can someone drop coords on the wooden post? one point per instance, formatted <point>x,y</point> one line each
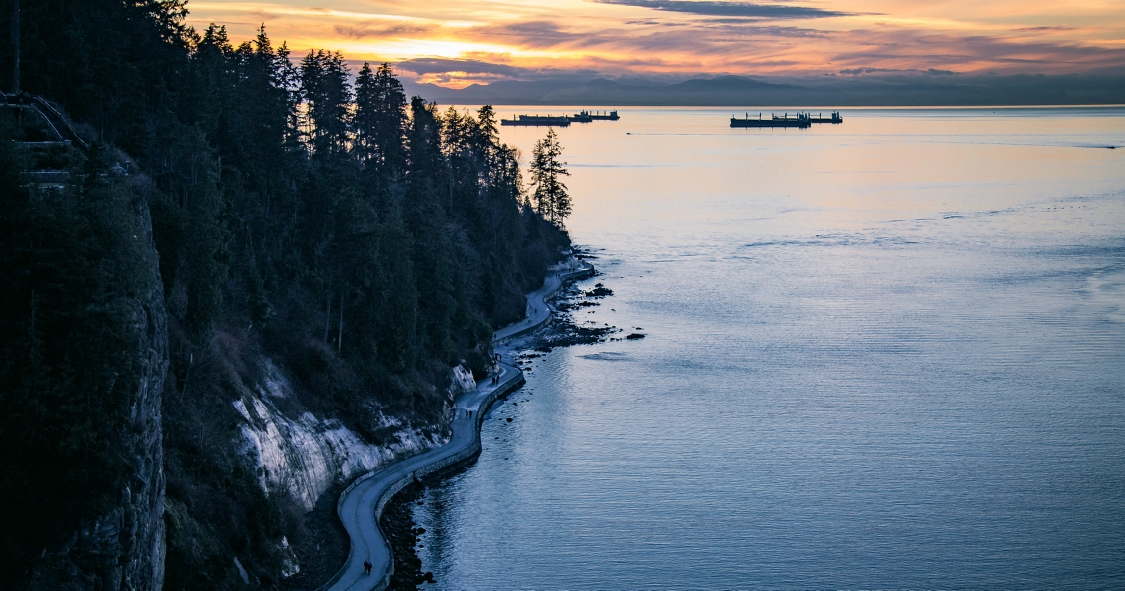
<point>15,46</point>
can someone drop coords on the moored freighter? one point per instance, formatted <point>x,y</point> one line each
<point>538,121</point>
<point>598,115</point>
<point>800,121</point>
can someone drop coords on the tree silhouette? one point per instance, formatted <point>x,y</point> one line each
<point>549,194</point>
<point>380,120</point>
<point>362,241</point>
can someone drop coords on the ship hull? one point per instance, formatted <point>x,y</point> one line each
<point>798,123</point>
<point>538,122</point>
<point>585,116</point>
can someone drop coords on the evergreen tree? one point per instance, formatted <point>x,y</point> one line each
<point>327,97</point>
<point>380,120</point>
<point>550,195</point>
<point>364,246</point>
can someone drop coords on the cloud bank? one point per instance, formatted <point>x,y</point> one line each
<point>457,43</point>
<point>743,9</point>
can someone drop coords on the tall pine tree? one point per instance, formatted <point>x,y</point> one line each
<point>549,194</point>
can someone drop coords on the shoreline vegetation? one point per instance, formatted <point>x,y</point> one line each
<point>305,225</point>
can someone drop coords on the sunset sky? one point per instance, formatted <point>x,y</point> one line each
<point>454,43</point>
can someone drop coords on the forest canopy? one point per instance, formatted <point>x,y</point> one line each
<point>302,212</point>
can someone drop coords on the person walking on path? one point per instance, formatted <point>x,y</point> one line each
<point>366,567</point>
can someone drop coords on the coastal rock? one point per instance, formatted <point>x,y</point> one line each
<point>461,381</point>
<point>599,291</point>
<point>304,456</point>
<point>397,522</point>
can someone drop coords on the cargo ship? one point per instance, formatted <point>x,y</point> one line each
<point>597,116</point>
<point>538,121</point>
<point>800,120</point>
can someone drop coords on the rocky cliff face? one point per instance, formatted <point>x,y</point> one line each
<point>303,456</point>
<point>123,549</point>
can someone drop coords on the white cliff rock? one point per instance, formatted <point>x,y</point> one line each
<point>570,264</point>
<point>304,456</point>
<point>461,380</point>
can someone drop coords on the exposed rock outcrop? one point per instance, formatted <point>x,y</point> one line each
<point>303,456</point>
<point>123,549</point>
<point>461,380</point>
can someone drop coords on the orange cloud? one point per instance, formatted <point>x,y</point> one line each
<point>694,36</point>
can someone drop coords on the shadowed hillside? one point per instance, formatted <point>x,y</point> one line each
<point>326,250</point>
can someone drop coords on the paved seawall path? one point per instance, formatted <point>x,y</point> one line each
<point>361,504</point>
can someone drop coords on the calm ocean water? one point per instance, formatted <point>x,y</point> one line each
<point>888,354</point>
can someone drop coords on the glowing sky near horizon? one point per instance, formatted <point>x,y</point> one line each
<point>454,43</point>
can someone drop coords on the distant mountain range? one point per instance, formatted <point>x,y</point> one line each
<point>921,89</point>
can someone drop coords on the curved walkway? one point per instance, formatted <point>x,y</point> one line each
<point>362,503</point>
<point>538,312</point>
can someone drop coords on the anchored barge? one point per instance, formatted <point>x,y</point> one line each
<point>800,120</point>
<point>538,121</point>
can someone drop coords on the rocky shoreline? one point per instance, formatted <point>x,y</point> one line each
<point>402,532</point>
<point>398,566</point>
<point>565,329</point>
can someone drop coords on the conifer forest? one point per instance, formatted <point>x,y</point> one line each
<point>249,204</point>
